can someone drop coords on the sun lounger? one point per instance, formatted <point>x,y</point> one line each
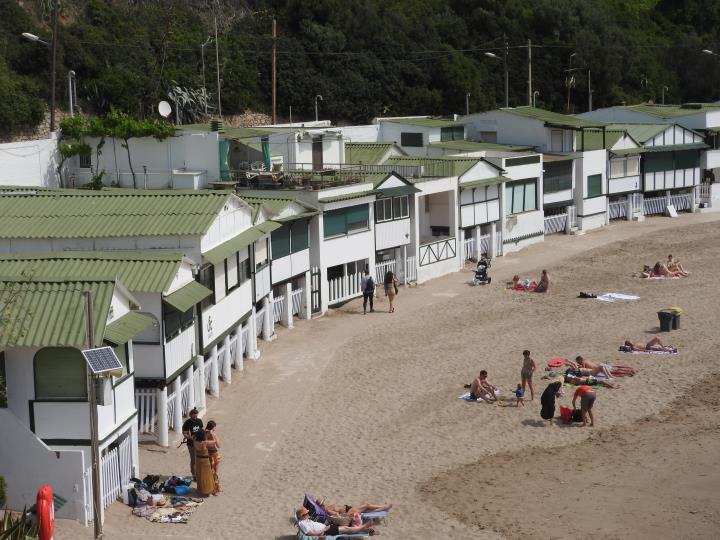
<point>319,514</point>
<point>302,536</point>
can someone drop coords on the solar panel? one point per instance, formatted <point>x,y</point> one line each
<point>101,360</point>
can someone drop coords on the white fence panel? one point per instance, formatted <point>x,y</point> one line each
<point>172,403</point>
<point>278,308</point>
<point>654,205</point>
<point>681,201</point>
<point>260,320</point>
<point>485,244</point>
<point>185,397</point>
<point>555,224</point>
<point>109,477</point>
<point>146,409</point>
<point>344,288</point>
<point>125,455</point>
<point>498,243</point>
<point>382,268</point>
<point>198,387</point>
<point>296,297</point>
<point>617,210</point>
<point>469,248</point>
<point>245,339</point>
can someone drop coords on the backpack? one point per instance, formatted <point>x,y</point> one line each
<point>369,285</point>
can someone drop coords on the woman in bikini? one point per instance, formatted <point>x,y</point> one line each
<point>616,371</point>
<point>347,510</point>
<point>214,453</point>
<point>544,282</point>
<point>653,345</point>
<point>661,270</point>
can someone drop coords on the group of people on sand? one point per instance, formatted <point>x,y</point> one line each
<point>671,268</point>
<point>344,518</point>
<point>203,446</point>
<point>540,286</point>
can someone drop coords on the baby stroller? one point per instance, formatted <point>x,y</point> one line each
<point>481,272</point>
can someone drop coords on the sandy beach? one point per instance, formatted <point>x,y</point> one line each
<point>365,408</point>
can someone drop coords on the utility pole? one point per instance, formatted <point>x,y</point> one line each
<point>505,65</point>
<point>589,93</point>
<point>530,90</point>
<point>274,70</point>
<point>467,104</point>
<point>217,63</point>
<point>92,402</point>
<point>54,59</point>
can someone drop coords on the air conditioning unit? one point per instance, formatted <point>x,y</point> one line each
<point>103,391</point>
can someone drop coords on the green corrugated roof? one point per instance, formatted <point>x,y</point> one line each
<point>425,122</point>
<point>479,146</point>
<point>593,139</point>
<point>438,167</point>
<point>641,132</point>
<point>187,296</point>
<point>552,118</point>
<point>112,213</point>
<point>219,253</point>
<point>122,330</point>
<point>396,191</point>
<point>676,147</point>
<point>672,111</point>
<point>372,153</point>
<point>485,182</point>
<point>138,271</point>
<point>304,215</point>
<point>51,313</point>
<point>348,196</point>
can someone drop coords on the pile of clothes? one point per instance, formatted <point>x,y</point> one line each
<point>160,499</point>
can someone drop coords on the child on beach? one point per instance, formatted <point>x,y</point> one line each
<point>519,395</point>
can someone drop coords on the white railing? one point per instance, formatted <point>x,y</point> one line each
<point>296,297</point>
<point>410,270</point>
<point>198,387</point>
<point>146,409</point>
<point>171,404</point>
<point>654,205</point>
<point>705,191</point>
<point>572,215</point>
<point>382,268</point>
<point>555,224</point>
<point>260,320</point>
<point>245,339</point>
<point>469,248</point>
<point>185,397</point>
<point>485,244</point>
<point>208,370</point>
<point>125,456</point>
<point>617,210</point>
<point>343,288</point>
<point>233,349</point>
<point>681,201</point>
<point>440,250</point>
<point>278,308</point>
<point>637,203</point>
<point>109,477</point>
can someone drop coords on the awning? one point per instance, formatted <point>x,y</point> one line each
<point>304,215</point>
<point>557,204</point>
<point>131,324</point>
<point>187,296</point>
<point>219,253</point>
<point>558,157</point>
<point>397,191</point>
<point>677,147</point>
<point>348,196</point>
<point>484,182</point>
<point>627,151</point>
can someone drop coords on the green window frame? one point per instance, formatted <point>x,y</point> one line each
<point>520,196</point>
<point>175,321</point>
<point>60,374</point>
<point>345,220</point>
<point>299,240</point>
<point>594,185</point>
<point>411,139</point>
<point>280,241</point>
<point>453,133</point>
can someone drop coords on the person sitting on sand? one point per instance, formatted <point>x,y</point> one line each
<point>314,528</point>
<point>573,379</point>
<point>615,370</point>
<point>660,270</point>
<point>544,282</point>
<point>347,510</point>
<point>518,284</point>
<point>674,266</point>
<point>481,388</point>
<point>653,345</point>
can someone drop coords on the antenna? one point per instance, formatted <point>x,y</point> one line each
<point>164,109</point>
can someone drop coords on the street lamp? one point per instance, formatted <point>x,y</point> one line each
<point>202,57</point>
<point>504,59</point>
<point>72,91</point>
<point>536,93</point>
<point>33,37</point>
<point>53,51</point>
<point>316,105</point>
<point>467,104</point>
<point>569,80</point>
<point>711,53</point>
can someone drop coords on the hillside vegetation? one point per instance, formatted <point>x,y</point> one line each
<point>365,57</point>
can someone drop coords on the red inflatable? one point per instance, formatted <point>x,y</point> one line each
<point>45,512</point>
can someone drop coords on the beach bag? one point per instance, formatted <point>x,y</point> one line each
<point>576,415</point>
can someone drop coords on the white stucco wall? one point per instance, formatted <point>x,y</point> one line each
<point>367,133</point>
<point>29,163</point>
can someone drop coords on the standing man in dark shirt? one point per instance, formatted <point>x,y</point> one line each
<point>189,428</point>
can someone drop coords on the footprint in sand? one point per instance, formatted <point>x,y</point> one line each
<point>265,447</point>
<point>446,294</point>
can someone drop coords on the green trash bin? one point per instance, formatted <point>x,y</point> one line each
<point>666,319</point>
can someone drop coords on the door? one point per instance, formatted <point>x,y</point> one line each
<point>315,290</point>
<point>317,153</point>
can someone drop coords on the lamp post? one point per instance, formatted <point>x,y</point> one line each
<point>467,104</point>
<point>663,90</point>
<point>536,93</point>
<point>496,57</point>
<point>569,80</point>
<point>506,47</point>
<point>316,105</point>
<point>711,53</point>
<point>202,57</point>
<point>53,54</point>
<point>72,91</point>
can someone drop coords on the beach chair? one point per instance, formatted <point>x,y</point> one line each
<point>303,536</point>
<point>319,514</point>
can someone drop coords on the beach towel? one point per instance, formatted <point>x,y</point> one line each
<point>612,296</point>
<point>628,350</point>
<point>664,277</point>
<point>466,396</point>
<point>525,288</point>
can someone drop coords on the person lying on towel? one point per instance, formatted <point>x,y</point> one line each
<point>314,528</point>
<point>653,345</point>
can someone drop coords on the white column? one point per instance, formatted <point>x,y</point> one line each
<point>268,333</point>
<point>288,316</point>
<point>253,351</point>
<point>177,409</point>
<point>668,200</point>
<point>239,348</point>
<point>214,379</point>
<point>226,360</point>
<point>162,416</point>
<point>493,233</point>
<point>191,387</point>
<point>693,198</point>
<point>629,207</point>
<point>478,254</point>
<point>200,367</point>
<point>135,468</point>
<point>306,302</point>
<point>406,280</point>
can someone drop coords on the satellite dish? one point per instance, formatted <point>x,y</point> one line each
<point>164,109</point>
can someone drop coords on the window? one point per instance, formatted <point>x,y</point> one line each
<point>261,253</point>
<point>488,136</point>
<point>60,374</point>
<point>687,159</point>
<point>525,160</point>
<point>85,161</point>
<point>149,336</point>
<point>594,185</point>
<point>345,220</point>
<point>520,196</point>
<point>556,140</point>
<point>400,207</point>
<point>317,153</point>
<point>232,275</point>
<point>299,236</point>
<point>122,354</point>
<point>411,139</point>
<point>244,269</point>
<point>558,176</point>
<point>383,210</point>
<point>617,168</point>
<point>280,242</point>
<point>175,322</point>
<point>206,277</point>
<point>658,161</point>
<point>3,381</point>
<point>633,166</point>
<point>454,133</point>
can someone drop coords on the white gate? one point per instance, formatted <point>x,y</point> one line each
<point>469,248</point>
<point>410,270</point>
<point>556,223</point>
<point>109,477</point>
<point>344,288</point>
<point>146,409</point>
<point>654,205</point>
<point>278,308</point>
<point>382,268</point>
<point>681,201</point>
<point>260,320</point>
<point>125,456</point>
<point>185,397</point>
<point>617,210</point>
<point>245,339</point>
<point>498,243</point>
<point>172,402</point>
<point>296,297</point>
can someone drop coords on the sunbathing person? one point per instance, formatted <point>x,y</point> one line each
<point>571,378</point>
<point>617,371</point>
<point>544,283</point>
<point>347,510</point>
<point>481,388</point>
<point>661,270</point>
<point>674,266</point>
<point>653,345</point>
<point>585,371</point>
<point>314,528</point>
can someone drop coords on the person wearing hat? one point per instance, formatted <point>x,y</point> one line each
<point>189,428</point>
<point>314,528</point>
